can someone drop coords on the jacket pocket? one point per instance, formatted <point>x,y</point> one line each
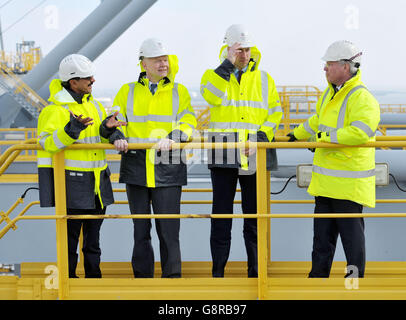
<point>132,167</point>
<point>80,189</point>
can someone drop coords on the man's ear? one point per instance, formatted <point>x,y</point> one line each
<point>72,83</point>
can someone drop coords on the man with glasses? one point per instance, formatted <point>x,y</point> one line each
<point>76,117</point>
<point>343,179</point>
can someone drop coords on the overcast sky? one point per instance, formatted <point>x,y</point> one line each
<point>292,35</point>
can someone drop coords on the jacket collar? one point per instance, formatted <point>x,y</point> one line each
<point>145,81</point>
<point>59,95</point>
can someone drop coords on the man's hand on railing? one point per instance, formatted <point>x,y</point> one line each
<point>121,145</point>
<point>291,136</point>
<point>249,151</point>
<point>164,144</point>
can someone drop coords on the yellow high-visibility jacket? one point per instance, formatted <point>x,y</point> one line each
<point>86,171</point>
<point>349,117</point>
<point>150,118</point>
<point>250,109</point>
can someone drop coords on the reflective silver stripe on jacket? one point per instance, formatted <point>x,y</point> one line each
<point>244,103</point>
<point>333,132</point>
<point>143,140</point>
<point>333,136</point>
<point>212,89</point>
<point>307,127</point>
<point>253,104</point>
<point>42,137</point>
<point>343,109</point>
<point>58,143</point>
<point>233,125</point>
<point>364,127</point>
<point>324,98</point>
<point>275,109</point>
<point>75,163</point>
<point>184,112</point>
<point>344,173</point>
<point>324,128</point>
<point>152,117</point>
<point>175,100</point>
<point>264,85</point>
<point>269,124</point>
<point>341,118</point>
<point>44,161</point>
<point>85,164</point>
<point>98,110</point>
<point>89,140</point>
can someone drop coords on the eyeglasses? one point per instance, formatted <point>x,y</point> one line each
<point>87,78</point>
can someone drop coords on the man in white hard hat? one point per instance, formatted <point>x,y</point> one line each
<point>76,117</point>
<point>244,106</point>
<point>158,111</point>
<point>343,179</point>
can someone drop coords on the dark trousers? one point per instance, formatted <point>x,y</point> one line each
<point>326,231</point>
<point>224,181</point>
<point>164,200</point>
<point>91,245</point>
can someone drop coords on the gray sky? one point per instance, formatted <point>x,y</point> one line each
<point>292,35</point>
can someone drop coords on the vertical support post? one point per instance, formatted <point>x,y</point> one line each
<point>268,210</point>
<point>81,264</point>
<point>61,225</point>
<point>262,207</point>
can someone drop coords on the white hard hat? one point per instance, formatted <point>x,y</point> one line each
<point>151,48</point>
<point>343,50</point>
<point>75,66</point>
<point>238,33</point>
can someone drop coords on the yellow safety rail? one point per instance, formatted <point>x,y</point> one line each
<point>24,60</point>
<point>263,287</point>
<point>21,88</point>
<point>393,108</point>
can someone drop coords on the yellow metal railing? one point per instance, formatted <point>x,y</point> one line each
<point>20,87</point>
<point>22,61</point>
<point>393,108</point>
<point>263,213</point>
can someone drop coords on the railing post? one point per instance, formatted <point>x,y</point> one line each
<point>268,210</point>
<point>262,207</point>
<point>61,225</point>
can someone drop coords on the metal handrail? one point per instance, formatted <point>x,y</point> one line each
<point>263,199</point>
<point>23,88</point>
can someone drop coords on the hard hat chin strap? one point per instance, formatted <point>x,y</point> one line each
<point>356,64</point>
<point>357,55</point>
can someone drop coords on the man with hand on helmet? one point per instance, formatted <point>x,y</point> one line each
<point>244,106</point>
